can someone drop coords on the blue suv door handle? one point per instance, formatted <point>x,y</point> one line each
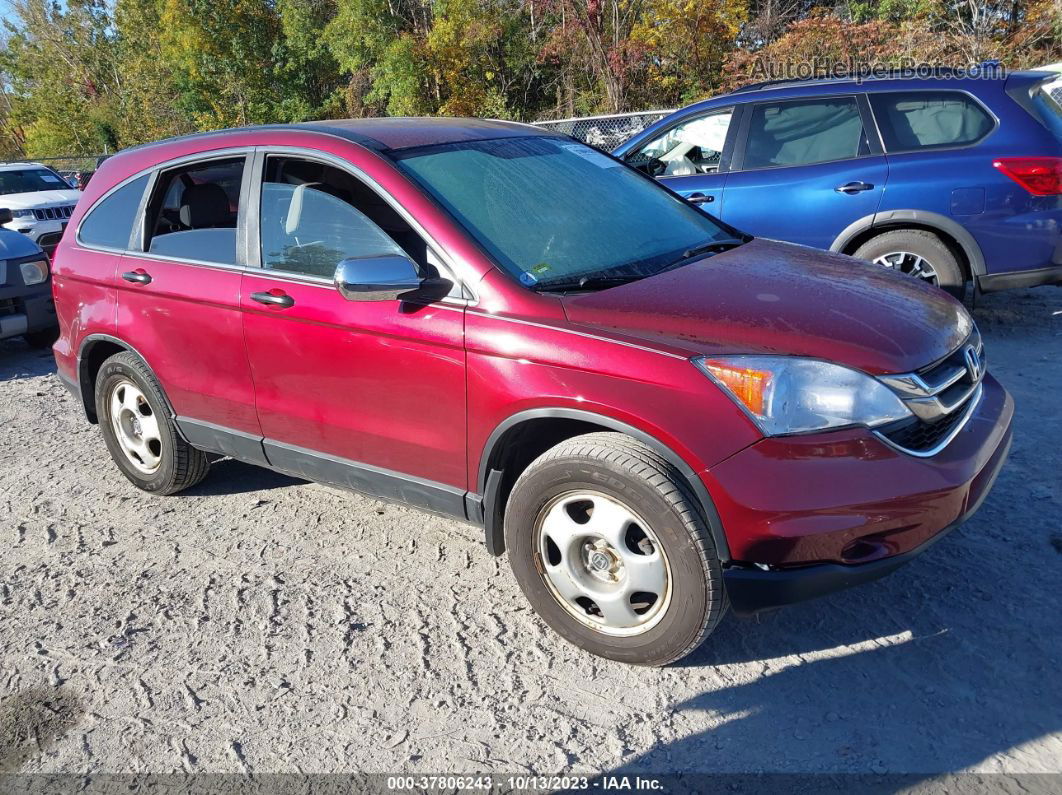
<point>852,188</point>
<point>699,198</point>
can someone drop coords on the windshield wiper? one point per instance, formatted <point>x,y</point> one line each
<point>713,246</point>
<point>585,283</point>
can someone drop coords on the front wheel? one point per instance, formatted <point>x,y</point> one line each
<point>605,542</point>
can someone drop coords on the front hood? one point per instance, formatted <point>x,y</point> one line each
<point>778,298</point>
<point>39,198</point>
<point>14,245</point>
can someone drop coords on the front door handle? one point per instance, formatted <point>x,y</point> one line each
<point>139,276</point>
<point>700,198</point>
<point>852,188</point>
<point>277,298</point>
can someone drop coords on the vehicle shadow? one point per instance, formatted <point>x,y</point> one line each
<point>18,360</point>
<point>856,690</point>
<point>229,476</point>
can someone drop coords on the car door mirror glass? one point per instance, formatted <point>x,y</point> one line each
<point>388,277</point>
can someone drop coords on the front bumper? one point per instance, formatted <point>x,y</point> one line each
<point>806,516</point>
<point>26,309</point>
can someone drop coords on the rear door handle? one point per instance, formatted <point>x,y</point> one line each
<point>700,198</point>
<point>139,276</point>
<point>274,298</point>
<point>852,188</point>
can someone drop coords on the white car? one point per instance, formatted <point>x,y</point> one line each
<point>40,202</point>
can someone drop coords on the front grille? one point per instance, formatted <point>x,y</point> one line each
<point>10,306</point>
<point>60,213</point>
<point>920,436</point>
<point>940,397</point>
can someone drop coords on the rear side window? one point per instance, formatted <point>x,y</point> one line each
<point>913,120</point>
<point>193,211</point>
<point>110,223</point>
<point>801,133</point>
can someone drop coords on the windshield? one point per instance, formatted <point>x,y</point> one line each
<point>554,210</point>
<point>28,180</point>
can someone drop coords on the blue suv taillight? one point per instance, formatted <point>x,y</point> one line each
<point>1041,176</point>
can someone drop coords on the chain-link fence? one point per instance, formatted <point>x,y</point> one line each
<point>605,132</point>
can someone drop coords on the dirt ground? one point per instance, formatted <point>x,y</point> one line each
<point>258,623</point>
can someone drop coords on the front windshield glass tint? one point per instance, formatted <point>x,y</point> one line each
<point>554,210</point>
<point>29,180</point>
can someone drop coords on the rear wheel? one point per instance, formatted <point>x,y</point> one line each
<point>606,544</point>
<point>138,430</point>
<point>917,253</point>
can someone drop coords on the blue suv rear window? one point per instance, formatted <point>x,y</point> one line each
<point>913,120</point>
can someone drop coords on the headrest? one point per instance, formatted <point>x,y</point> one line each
<point>291,224</point>
<point>205,206</point>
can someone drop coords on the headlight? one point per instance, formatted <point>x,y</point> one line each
<point>34,272</point>
<point>790,395</point>
<point>23,214</point>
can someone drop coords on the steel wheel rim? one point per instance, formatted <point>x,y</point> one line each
<point>908,263</point>
<point>602,563</point>
<point>135,427</point>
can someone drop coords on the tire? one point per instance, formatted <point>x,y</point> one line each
<point>603,475</point>
<point>44,338</point>
<point>139,431</point>
<point>946,268</point>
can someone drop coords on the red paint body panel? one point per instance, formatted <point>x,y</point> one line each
<point>768,297</point>
<point>83,285</point>
<point>377,382</point>
<point>188,325</point>
<point>798,500</point>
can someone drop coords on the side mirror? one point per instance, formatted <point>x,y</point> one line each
<point>5,216</point>
<point>385,278</point>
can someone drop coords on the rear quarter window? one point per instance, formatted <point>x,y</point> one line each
<point>110,223</point>
<point>914,120</point>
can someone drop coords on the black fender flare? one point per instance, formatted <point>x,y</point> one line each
<point>88,398</point>
<point>922,218</point>
<point>488,485</point>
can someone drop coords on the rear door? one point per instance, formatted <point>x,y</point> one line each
<point>365,394</point>
<point>804,169</point>
<point>691,157</point>
<point>179,292</point>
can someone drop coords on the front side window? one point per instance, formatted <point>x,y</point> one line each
<point>911,120</point>
<point>692,147</point>
<point>804,132</point>
<point>193,210</point>
<point>110,223</point>
<point>550,209</point>
<point>30,180</point>
<point>314,215</point>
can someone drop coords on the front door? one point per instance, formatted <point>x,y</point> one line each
<point>806,171</point>
<point>365,394</point>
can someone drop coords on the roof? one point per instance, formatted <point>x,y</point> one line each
<point>405,132</point>
<point>387,133</point>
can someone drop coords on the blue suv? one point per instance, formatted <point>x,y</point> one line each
<point>948,178</point>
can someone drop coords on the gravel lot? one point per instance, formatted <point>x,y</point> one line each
<point>258,623</point>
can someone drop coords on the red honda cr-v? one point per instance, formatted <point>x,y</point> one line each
<point>653,414</point>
